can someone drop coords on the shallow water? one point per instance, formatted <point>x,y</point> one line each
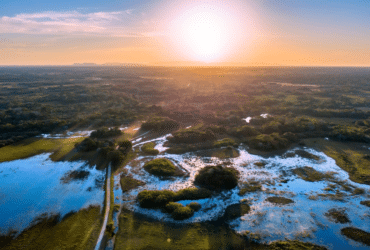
<point>33,186</point>
<point>304,219</point>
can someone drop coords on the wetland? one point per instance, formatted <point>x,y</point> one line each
<point>237,162</point>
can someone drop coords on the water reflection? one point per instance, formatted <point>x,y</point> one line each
<point>36,185</point>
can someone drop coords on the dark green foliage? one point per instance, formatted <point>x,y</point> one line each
<point>160,124</point>
<point>105,133</point>
<point>268,142</point>
<point>244,131</point>
<point>192,194</point>
<point>104,151</point>
<point>236,211</point>
<point>350,133</point>
<point>87,145</point>
<point>195,206</point>
<point>158,198</point>
<point>356,235</point>
<point>155,199</point>
<point>192,136</point>
<point>225,142</point>
<point>128,183</point>
<point>172,206</point>
<point>148,148</point>
<point>115,157</point>
<point>217,177</point>
<point>182,213</point>
<point>125,146</point>
<point>216,129</point>
<point>160,167</point>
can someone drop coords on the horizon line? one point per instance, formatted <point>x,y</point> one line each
<point>176,66</point>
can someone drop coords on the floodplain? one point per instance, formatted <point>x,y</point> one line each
<point>290,149</point>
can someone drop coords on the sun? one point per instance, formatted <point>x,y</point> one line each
<point>205,33</point>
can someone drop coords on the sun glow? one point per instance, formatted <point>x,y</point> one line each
<point>206,33</point>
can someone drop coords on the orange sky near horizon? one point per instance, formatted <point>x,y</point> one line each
<point>178,33</point>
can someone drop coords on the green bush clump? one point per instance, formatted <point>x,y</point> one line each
<point>224,142</point>
<point>195,206</point>
<point>148,148</point>
<point>192,136</point>
<point>125,146</point>
<point>269,142</point>
<point>115,157</point>
<point>217,177</point>
<point>182,213</point>
<point>87,145</point>
<point>105,133</point>
<point>164,199</point>
<point>172,206</point>
<point>244,131</point>
<point>155,198</point>
<point>350,133</point>
<point>160,167</point>
<point>158,198</point>
<point>159,124</point>
<point>192,194</point>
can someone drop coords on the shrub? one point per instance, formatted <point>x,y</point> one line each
<point>87,145</point>
<point>192,136</point>
<point>349,133</point>
<point>182,213</point>
<point>148,148</point>
<point>160,167</point>
<point>104,151</point>
<point>217,177</point>
<point>172,206</point>
<point>105,133</point>
<point>192,194</point>
<point>159,124</point>
<point>224,142</point>
<point>236,210</point>
<point>155,199</point>
<point>268,142</point>
<point>125,146</point>
<point>195,206</point>
<point>115,157</point>
<point>128,183</point>
<point>244,131</point>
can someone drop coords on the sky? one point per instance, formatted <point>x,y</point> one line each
<point>175,33</point>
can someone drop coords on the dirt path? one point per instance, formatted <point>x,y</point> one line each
<point>107,205</point>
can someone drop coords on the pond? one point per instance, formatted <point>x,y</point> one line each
<point>36,186</point>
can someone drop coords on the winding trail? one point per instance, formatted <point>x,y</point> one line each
<point>107,205</point>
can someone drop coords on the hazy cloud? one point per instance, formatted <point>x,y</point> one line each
<point>118,23</point>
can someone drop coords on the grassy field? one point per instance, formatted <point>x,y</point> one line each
<point>139,233</point>
<point>354,158</point>
<point>136,232</point>
<point>78,231</point>
<point>34,146</point>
